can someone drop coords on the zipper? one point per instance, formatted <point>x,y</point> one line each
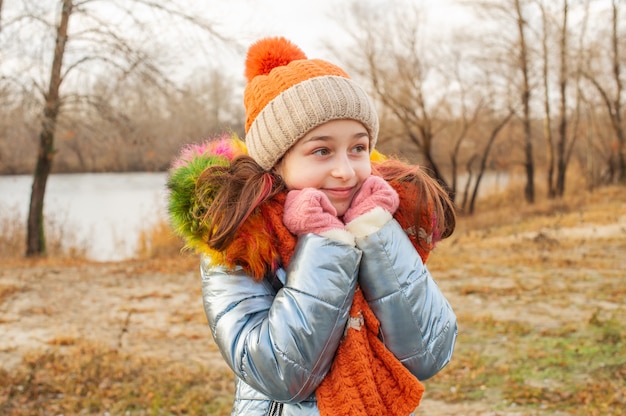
<point>276,409</point>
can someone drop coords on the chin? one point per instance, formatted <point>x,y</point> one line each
<point>341,210</point>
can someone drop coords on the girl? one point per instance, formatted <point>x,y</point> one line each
<point>314,245</point>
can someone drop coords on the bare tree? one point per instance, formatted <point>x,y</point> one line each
<point>483,158</point>
<point>529,189</point>
<point>490,121</point>
<point>514,48</point>
<point>547,123</point>
<point>613,98</point>
<point>472,99</point>
<point>35,240</point>
<point>596,156</point>
<point>583,110</point>
<point>559,149</point>
<point>121,51</point>
<point>563,78</point>
<point>566,141</point>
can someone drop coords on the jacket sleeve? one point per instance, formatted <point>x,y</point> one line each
<point>417,323</point>
<point>282,344</point>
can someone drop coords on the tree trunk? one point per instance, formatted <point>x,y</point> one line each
<point>436,173</point>
<point>547,122</point>
<point>617,117</point>
<point>454,156</point>
<point>468,183</point>
<point>35,240</point>
<point>561,148</point>
<point>485,156</point>
<point>529,190</point>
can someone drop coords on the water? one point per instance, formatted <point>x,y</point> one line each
<point>104,211</point>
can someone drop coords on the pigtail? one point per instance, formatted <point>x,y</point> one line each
<point>428,209</point>
<point>241,187</point>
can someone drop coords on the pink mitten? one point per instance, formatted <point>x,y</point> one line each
<point>310,211</point>
<point>375,192</point>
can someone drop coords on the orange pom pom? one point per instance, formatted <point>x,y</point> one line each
<point>269,53</point>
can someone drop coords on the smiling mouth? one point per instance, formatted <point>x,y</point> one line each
<point>340,192</point>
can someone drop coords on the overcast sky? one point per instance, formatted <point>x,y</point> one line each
<point>307,23</point>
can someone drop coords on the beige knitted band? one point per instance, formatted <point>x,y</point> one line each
<point>297,110</point>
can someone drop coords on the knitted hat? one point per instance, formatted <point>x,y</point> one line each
<point>288,95</point>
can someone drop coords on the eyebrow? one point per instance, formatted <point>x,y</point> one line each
<point>317,138</point>
<point>323,138</point>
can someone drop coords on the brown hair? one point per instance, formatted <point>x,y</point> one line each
<point>231,193</point>
<point>426,192</point>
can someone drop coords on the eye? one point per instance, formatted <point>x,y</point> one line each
<point>360,148</point>
<point>322,151</point>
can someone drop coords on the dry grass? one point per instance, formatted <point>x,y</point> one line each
<point>509,207</point>
<point>87,379</point>
<point>539,292</point>
<point>12,235</point>
<point>61,241</point>
<point>158,242</point>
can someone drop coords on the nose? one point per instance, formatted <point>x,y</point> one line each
<point>343,168</point>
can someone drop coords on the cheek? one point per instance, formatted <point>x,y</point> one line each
<point>363,170</point>
<point>298,175</point>
<point>300,182</point>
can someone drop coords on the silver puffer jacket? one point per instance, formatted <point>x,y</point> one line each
<point>281,344</point>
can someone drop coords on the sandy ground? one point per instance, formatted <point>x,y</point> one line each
<point>137,311</point>
<point>157,313</point>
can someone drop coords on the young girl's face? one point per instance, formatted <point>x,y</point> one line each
<point>333,157</point>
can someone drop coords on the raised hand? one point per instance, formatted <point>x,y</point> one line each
<point>310,211</point>
<point>375,192</point>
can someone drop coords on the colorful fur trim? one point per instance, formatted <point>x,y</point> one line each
<point>186,206</point>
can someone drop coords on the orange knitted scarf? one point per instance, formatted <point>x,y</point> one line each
<point>365,379</point>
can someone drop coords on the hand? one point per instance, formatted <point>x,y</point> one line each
<point>375,192</point>
<point>310,211</point>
